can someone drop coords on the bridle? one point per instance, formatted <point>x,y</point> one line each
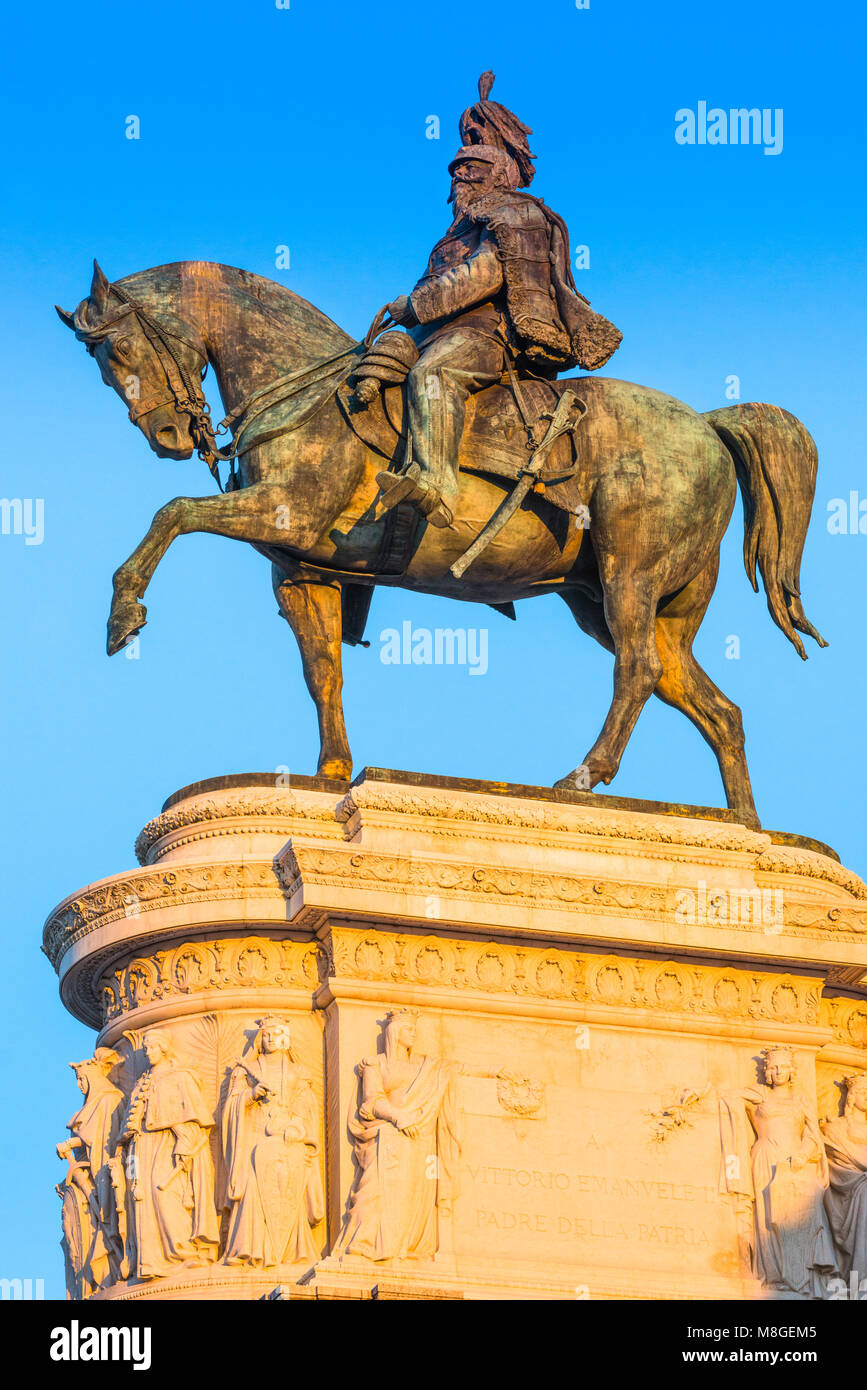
<point>185,391</point>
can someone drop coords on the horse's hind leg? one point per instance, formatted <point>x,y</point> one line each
<point>313,611</point>
<point>629,615</point>
<point>684,685</point>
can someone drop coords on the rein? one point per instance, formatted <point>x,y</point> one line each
<point>187,396</point>
<point>259,402</point>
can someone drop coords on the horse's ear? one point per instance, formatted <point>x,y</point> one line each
<point>99,289</point>
<point>65,316</point>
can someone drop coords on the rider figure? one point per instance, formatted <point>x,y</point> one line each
<point>499,282</point>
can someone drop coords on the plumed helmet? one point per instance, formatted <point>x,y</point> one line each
<point>488,123</point>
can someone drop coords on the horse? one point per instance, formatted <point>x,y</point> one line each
<point>660,483</point>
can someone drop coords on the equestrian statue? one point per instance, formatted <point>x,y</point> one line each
<point>443,453</point>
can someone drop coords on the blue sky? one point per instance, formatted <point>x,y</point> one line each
<point>306,127</point>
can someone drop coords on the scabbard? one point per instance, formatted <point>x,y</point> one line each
<point>504,512</point>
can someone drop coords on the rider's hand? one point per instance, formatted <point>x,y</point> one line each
<point>402,311</point>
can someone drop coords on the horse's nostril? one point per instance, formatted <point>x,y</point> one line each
<point>168,436</point>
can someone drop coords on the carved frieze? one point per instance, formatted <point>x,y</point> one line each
<point>848,1019</point>
<point>523,887</point>
<point>233,963</point>
<point>147,891</point>
<point>512,816</point>
<point>574,976</point>
<point>198,1142</point>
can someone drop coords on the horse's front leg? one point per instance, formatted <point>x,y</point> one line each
<point>314,613</point>
<point>257,513</point>
<point>128,615</point>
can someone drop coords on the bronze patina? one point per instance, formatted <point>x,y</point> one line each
<point>612,495</point>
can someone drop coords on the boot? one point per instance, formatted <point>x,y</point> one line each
<point>413,488</point>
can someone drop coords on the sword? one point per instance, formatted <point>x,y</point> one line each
<point>184,1166</point>
<point>566,418</point>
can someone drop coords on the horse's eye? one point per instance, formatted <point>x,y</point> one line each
<point>122,346</point>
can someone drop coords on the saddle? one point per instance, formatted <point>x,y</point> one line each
<point>495,440</point>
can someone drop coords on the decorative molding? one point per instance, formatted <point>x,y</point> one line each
<point>526,815</point>
<point>787,859</point>
<point>524,886</point>
<point>337,868</point>
<point>848,1020</point>
<point>279,806</point>
<point>151,890</point>
<point>247,962</point>
<point>144,891</point>
<point>640,827</point>
<point>575,976</point>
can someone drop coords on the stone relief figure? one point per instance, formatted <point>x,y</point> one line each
<point>270,1136</point>
<point>92,1244</point>
<point>846,1197</point>
<point>170,1175</point>
<point>773,1155</point>
<point>406,1146</point>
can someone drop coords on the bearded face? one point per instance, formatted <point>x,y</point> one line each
<point>471,180</point>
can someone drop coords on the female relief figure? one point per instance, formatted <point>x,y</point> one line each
<point>785,1175</point>
<point>271,1144</point>
<point>406,1146</point>
<point>846,1197</point>
<point>169,1168</point>
<point>91,1238</point>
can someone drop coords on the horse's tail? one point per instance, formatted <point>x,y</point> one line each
<point>775,461</point>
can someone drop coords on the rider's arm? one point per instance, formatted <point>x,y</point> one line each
<point>461,287</point>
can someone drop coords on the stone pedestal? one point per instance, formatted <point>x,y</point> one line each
<point>592,983</point>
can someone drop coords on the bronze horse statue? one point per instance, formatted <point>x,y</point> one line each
<point>659,481</point>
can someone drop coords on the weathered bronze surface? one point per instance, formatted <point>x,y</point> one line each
<point>625,524</point>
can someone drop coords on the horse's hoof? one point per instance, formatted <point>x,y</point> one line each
<point>124,624</point>
<point>337,769</point>
<point>578,780</point>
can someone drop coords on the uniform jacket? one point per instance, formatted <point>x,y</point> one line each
<point>513,251</point>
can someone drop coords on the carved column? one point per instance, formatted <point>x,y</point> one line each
<point>438,1040</point>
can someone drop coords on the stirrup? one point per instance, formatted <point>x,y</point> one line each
<point>394,488</point>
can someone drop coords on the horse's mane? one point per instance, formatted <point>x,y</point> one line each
<point>304,329</point>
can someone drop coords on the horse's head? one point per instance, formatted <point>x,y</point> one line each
<point>152,360</point>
